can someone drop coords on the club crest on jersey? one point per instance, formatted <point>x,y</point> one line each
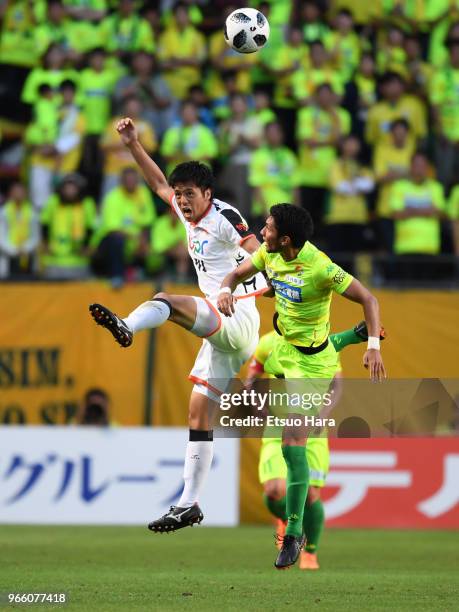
<point>292,294</point>
<point>241,227</point>
<point>197,246</point>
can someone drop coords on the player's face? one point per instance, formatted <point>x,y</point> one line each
<point>192,201</point>
<point>271,236</point>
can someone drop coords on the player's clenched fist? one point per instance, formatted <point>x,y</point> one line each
<point>225,302</point>
<point>127,131</point>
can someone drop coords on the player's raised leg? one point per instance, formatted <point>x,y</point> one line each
<point>180,309</point>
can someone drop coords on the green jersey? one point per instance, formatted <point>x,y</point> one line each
<point>303,290</point>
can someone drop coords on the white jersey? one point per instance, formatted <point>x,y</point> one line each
<point>214,245</point>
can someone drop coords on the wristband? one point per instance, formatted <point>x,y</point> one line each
<point>225,290</point>
<point>373,343</point>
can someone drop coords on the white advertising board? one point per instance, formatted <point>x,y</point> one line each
<point>88,475</point>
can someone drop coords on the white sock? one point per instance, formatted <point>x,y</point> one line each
<point>149,314</point>
<point>198,459</point>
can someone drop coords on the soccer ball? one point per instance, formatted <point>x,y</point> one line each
<point>246,30</point>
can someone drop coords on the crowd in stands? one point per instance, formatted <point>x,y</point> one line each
<point>351,110</point>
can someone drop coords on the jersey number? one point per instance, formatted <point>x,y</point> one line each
<point>199,265</point>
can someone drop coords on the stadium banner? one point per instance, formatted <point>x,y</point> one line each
<point>114,475</point>
<point>51,353</point>
<point>387,483</point>
<point>394,483</point>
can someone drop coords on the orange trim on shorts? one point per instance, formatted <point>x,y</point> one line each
<point>200,381</point>
<point>254,294</point>
<point>215,311</point>
<point>246,238</point>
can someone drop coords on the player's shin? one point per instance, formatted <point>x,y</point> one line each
<point>313,524</point>
<point>277,507</point>
<point>297,487</point>
<point>198,459</point>
<point>148,315</point>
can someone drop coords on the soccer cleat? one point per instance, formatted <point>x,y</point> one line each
<point>362,332</point>
<point>280,532</point>
<point>290,551</point>
<point>308,561</point>
<point>177,518</point>
<point>116,326</point>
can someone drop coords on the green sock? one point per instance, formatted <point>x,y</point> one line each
<point>297,487</point>
<point>276,507</point>
<point>344,338</point>
<point>313,524</point>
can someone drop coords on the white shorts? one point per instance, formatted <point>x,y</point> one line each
<point>225,350</point>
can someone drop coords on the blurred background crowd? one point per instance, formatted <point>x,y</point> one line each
<point>351,110</point>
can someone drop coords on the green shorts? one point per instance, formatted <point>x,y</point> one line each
<point>304,377</point>
<point>287,360</point>
<point>272,465</point>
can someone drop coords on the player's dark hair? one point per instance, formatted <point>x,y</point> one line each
<point>193,172</point>
<point>292,221</point>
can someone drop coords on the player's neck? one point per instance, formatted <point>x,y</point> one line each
<point>290,253</point>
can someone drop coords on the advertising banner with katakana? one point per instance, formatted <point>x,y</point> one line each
<point>107,475</point>
<point>393,483</point>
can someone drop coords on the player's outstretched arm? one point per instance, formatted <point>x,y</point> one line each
<point>372,359</point>
<point>226,299</point>
<point>151,171</point>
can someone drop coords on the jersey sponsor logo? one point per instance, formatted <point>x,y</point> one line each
<point>292,294</point>
<point>197,246</point>
<point>294,279</point>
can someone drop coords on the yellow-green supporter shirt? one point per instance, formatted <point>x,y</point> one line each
<point>188,142</point>
<point>127,212</point>
<point>275,173</point>
<point>303,289</point>
<point>388,157</point>
<point>95,91</point>
<point>68,226</point>
<point>444,93</point>
<point>419,234</point>
<point>128,34</point>
<point>316,124</point>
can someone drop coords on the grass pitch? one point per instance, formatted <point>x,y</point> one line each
<point>126,568</point>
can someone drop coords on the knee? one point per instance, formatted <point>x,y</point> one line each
<point>313,495</point>
<point>274,489</point>
<point>197,418</point>
<point>162,295</point>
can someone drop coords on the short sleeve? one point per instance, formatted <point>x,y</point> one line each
<point>453,203</point>
<point>438,196</point>
<point>397,200</point>
<point>48,210</point>
<point>330,276</point>
<point>259,258</point>
<point>257,173</point>
<point>234,228</point>
<point>147,210</point>
<point>305,128</point>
